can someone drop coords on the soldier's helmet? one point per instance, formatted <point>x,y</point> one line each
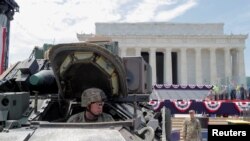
<point>91,95</point>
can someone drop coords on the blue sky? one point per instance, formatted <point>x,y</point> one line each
<point>57,21</point>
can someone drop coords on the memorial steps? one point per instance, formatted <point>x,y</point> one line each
<point>218,121</point>
<point>184,92</point>
<point>181,94</point>
<point>177,122</point>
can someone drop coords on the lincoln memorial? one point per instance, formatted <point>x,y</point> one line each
<point>181,53</point>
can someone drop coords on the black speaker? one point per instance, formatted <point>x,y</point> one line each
<point>139,75</point>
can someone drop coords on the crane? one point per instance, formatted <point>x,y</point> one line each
<point>7,11</point>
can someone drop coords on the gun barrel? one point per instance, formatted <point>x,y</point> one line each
<point>43,80</point>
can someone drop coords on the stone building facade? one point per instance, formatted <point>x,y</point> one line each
<point>181,53</point>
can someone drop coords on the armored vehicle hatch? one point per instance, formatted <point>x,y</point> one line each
<point>85,65</point>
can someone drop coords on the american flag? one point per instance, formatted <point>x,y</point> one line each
<point>2,49</point>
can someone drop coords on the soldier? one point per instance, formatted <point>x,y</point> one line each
<point>93,100</point>
<point>191,128</point>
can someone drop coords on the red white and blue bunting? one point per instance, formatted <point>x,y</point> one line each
<point>190,86</point>
<point>212,106</point>
<point>167,86</point>
<point>240,106</point>
<point>156,104</point>
<point>182,105</point>
<point>159,86</point>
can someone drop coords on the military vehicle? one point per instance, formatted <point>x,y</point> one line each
<point>39,94</point>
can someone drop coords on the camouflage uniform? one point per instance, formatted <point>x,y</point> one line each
<point>88,96</point>
<point>191,130</point>
<point>80,118</point>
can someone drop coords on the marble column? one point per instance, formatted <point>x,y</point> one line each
<point>228,66</point>
<point>198,68</point>
<point>152,62</point>
<point>183,66</point>
<point>213,68</point>
<point>168,66</point>
<point>137,51</point>
<point>234,65</point>
<point>123,52</point>
<point>241,65</point>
